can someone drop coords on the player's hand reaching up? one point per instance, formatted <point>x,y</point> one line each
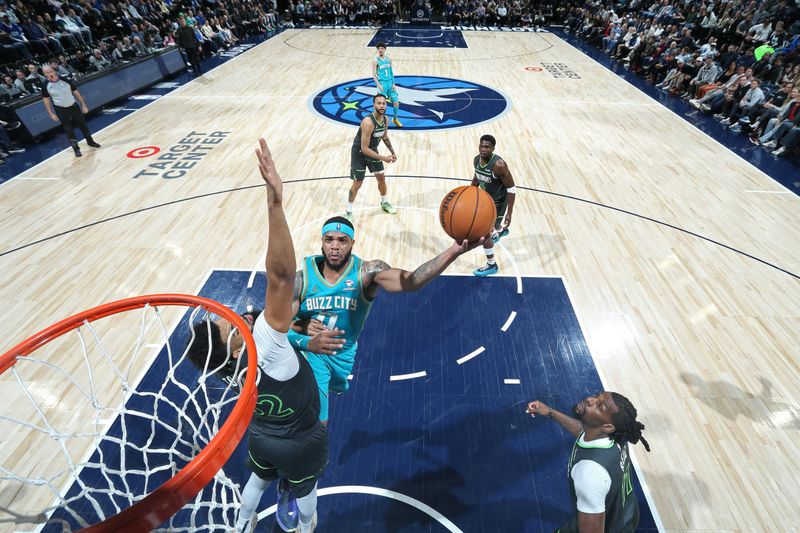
<point>465,246</point>
<point>537,408</point>
<point>268,172</point>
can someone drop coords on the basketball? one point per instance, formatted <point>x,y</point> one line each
<point>467,212</point>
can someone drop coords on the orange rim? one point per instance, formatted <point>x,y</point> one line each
<point>166,500</point>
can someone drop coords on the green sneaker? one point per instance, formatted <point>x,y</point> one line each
<point>348,215</point>
<point>389,208</point>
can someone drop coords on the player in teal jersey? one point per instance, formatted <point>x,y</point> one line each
<point>599,468</point>
<point>333,295</point>
<point>383,74</point>
<point>492,175</point>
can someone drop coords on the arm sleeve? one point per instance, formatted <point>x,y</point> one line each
<point>276,357</point>
<point>592,484</point>
<point>298,340</point>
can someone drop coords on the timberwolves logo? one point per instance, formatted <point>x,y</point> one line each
<point>426,102</point>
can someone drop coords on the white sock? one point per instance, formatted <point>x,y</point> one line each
<point>307,505</point>
<point>349,207</point>
<point>383,199</point>
<point>489,255</point>
<point>251,496</point>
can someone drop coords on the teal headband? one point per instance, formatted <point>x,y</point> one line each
<point>338,226</point>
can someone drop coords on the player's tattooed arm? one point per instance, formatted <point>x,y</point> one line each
<point>380,274</point>
<point>298,325</point>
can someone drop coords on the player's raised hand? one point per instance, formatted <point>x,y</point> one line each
<point>268,171</point>
<point>465,246</point>
<point>537,408</point>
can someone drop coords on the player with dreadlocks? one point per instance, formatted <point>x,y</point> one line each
<point>599,468</point>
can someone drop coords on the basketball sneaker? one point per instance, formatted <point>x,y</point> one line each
<point>397,122</point>
<point>389,208</point>
<point>497,236</point>
<point>348,215</point>
<point>288,515</point>
<point>311,527</point>
<point>486,270</point>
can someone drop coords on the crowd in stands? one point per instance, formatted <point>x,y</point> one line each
<point>81,37</point>
<point>340,12</point>
<point>84,36</point>
<point>502,13</point>
<point>738,61</point>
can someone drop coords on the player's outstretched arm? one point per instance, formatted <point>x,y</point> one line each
<point>280,263</point>
<point>573,425</point>
<point>380,274</point>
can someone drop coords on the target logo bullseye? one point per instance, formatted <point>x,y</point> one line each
<point>143,151</point>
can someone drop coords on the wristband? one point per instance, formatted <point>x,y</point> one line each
<point>298,340</point>
<point>512,190</point>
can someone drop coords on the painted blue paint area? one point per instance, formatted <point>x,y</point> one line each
<point>784,170</point>
<point>54,142</point>
<point>457,439</point>
<point>411,37</point>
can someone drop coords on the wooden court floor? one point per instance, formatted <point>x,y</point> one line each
<point>682,260</point>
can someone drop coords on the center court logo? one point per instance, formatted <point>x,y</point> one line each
<point>426,102</point>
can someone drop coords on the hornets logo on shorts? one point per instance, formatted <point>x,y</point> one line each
<point>426,102</point>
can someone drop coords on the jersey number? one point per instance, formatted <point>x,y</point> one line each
<point>328,320</point>
<point>274,406</point>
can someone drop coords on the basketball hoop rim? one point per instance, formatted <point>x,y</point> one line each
<point>167,499</point>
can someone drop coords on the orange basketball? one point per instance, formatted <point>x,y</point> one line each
<point>467,212</point>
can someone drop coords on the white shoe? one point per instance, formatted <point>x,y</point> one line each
<point>779,151</point>
<point>311,527</point>
<point>770,144</point>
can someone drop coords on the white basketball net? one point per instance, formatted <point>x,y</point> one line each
<point>83,448</point>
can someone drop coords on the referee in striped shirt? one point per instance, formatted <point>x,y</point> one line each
<point>64,108</point>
